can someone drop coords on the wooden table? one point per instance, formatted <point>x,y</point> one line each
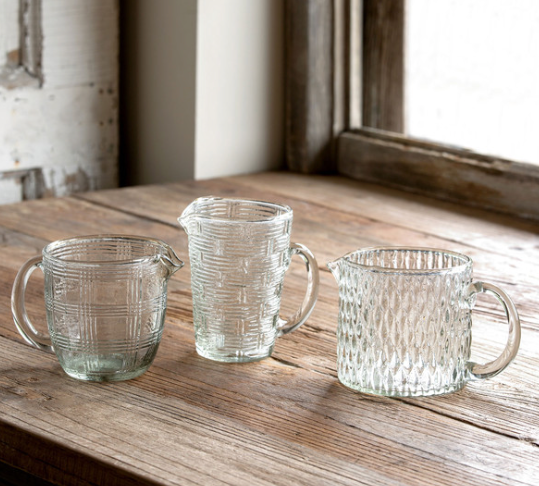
<point>285,420</point>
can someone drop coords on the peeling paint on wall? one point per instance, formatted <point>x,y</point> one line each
<point>31,38</point>
<point>20,185</point>
<point>59,94</point>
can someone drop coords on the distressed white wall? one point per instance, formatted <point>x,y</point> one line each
<point>9,30</point>
<point>472,75</point>
<point>66,124</point>
<point>202,93</point>
<point>202,88</point>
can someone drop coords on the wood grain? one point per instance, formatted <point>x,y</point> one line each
<point>285,420</point>
<point>363,215</point>
<point>309,85</point>
<point>443,173</point>
<point>383,65</point>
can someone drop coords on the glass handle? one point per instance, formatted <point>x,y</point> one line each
<point>18,307</point>
<point>488,370</point>
<point>293,322</point>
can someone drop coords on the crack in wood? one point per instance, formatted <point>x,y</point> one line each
<point>414,403</point>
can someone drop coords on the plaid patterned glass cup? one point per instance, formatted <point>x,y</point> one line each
<point>105,298</point>
<point>239,251</point>
<point>405,322</point>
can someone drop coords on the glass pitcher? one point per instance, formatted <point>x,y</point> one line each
<point>105,298</point>
<point>239,251</point>
<point>405,321</point>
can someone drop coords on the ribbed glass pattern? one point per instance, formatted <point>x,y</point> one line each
<point>404,322</point>
<point>239,251</point>
<point>105,301</point>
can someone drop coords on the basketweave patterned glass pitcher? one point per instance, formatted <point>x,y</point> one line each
<point>239,251</point>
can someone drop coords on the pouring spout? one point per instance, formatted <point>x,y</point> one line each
<point>190,214</point>
<point>171,261</point>
<point>183,223</point>
<point>185,219</point>
<point>335,268</point>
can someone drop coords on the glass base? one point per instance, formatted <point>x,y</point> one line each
<point>233,357</point>
<point>106,365</point>
<point>114,367</point>
<point>107,376</point>
<point>406,392</point>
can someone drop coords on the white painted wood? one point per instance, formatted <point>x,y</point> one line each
<point>11,190</point>
<point>80,42</point>
<point>66,126</point>
<point>9,31</point>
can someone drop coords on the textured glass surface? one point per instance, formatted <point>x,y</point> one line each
<point>105,301</point>
<point>404,321</point>
<point>239,251</point>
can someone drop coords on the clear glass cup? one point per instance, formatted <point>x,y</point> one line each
<point>105,298</point>
<point>239,251</point>
<point>405,322</point>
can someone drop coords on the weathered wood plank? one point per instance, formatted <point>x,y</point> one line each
<point>455,223</point>
<point>400,208</point>
<point>331,227</point>
<point>65,217</point>
<point>329,287</point>
<point>339,230</point>
<point>147,435</point>
<point>445,220</point>
<point>383,64</point>
<point>186,403</point>
<point>193,421</point>
<point>313,347</point>
<point>309,85</point>
<point>459,176</point>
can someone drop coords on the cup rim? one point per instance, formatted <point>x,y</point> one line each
<point>286,211</point>
<point>48,249</point>
<point>466,261</point>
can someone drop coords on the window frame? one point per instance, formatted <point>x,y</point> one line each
<point>323,84</point>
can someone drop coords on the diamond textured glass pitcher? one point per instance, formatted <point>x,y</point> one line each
<point>239,251</point>
<point>405,322</point>
<point>105,298</point>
